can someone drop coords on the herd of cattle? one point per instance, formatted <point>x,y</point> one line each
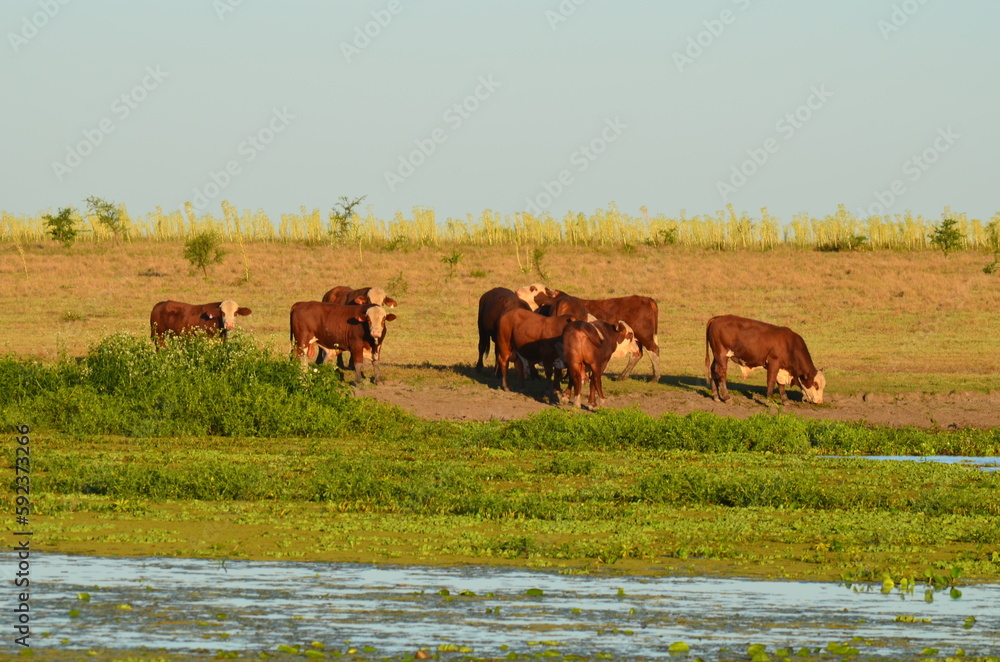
<point>533,325</point>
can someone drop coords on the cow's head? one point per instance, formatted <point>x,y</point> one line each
<point>227,312</point>
<point>812,387</point>
<point>626,341</point>
<point>536,295</point>
<point>377,296</point>
<point>375,318</point>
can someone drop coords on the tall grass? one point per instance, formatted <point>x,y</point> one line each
<point>725,230</point>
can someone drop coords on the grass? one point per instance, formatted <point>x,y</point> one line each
<point>878,321</point>
<point>446,500</point>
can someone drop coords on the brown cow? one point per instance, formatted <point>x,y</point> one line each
<point>492,306</point>
<point>752,344</point>
<point>318,328</point>
<point>347,296</point>
<point>591,345</point>
<point>532,338</point>
<point>178,318</point>
<point>639,312</point>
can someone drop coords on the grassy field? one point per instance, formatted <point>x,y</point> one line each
<point>875,320</point>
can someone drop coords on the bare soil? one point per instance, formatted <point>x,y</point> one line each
<point>480,402</point>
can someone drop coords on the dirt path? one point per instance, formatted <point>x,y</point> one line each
<point>477,402</point>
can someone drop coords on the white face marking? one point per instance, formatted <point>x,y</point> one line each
<point>376,295</point>
<point>815,394</point>
<point>784,377</point>
<point>528,293</point>
<point>229,309</point>
<point>376,321</point>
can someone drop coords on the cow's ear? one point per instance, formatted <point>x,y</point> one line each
<point>359,318</point>
<point>390,317</point>
<point>243,311</point>
<point>551,293</point>
<point>389,303</point>
<point>360,300</point>
<point>207,315</point>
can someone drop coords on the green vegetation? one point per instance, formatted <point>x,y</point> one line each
<point>203,250</point>
<point>63,227</point>
<point>946,236</point>
<point>109,216</point>
<point>164,449</point>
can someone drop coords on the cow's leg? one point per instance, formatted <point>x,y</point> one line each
<point>632,360</point>
<point>772,380</point>
<point>654,358</point>
<point>719,367</point>
<point>596,386</point>
<point>504,363</point>
<point>522,368</point>
<point>781,390</point>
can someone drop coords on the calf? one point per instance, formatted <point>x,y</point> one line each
<point>318,328</point>
<point>492,306</point>
<point>532,338</point>
<point>346,296</point>
<point>752,344</point>
<point>639,312</point>
<point>179,318</point>
<point>591,345</point>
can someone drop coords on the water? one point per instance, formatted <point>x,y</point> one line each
<point>984,463</point>
<point>251,606</point>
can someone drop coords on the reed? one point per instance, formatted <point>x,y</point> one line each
<point>604,228</point>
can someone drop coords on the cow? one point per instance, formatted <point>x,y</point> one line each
<point>639,312</point>
<point>532,338</point>
<point>752,344</point>
<point>347,296</point>
<point>492,306</point>
<point>317,329</point>
<point>179,318</point>
<point>591,345</point>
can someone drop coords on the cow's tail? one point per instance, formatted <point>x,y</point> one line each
<point>708,357</point>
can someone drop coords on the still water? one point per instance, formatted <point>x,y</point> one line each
<point>251,606</point>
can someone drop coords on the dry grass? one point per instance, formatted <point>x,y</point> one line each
<point>877,320</point>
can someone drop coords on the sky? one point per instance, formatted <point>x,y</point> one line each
<point>545,106</point>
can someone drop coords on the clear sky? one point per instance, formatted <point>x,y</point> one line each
<point>542,105</point>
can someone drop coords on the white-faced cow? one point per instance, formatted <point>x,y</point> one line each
<point>751,345</point>
<point>590,345</point>
<point>318,329</point>
<point>178,318</point>
<point>639,312</point>
<point>346,295</point>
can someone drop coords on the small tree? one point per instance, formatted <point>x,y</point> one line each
<point>340,219</point>
<point>451,261</point>
<point>946,236</point>
<point>203,250</point>
<point>108,215</point>
<point>63,227</point>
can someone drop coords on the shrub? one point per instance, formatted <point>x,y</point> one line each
<point>63,227</point>
<point>202,250</point>
<point>109,215</point>
<point>946,236</point>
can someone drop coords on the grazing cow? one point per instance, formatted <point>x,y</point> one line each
<point>752,344</point>
<point>347,296</point>
<point>532,338</point>
<point>591,345</point>
<point>178,318</point>
<point>639,312</point>
<point>492,306</point>
<point>320,328</point>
